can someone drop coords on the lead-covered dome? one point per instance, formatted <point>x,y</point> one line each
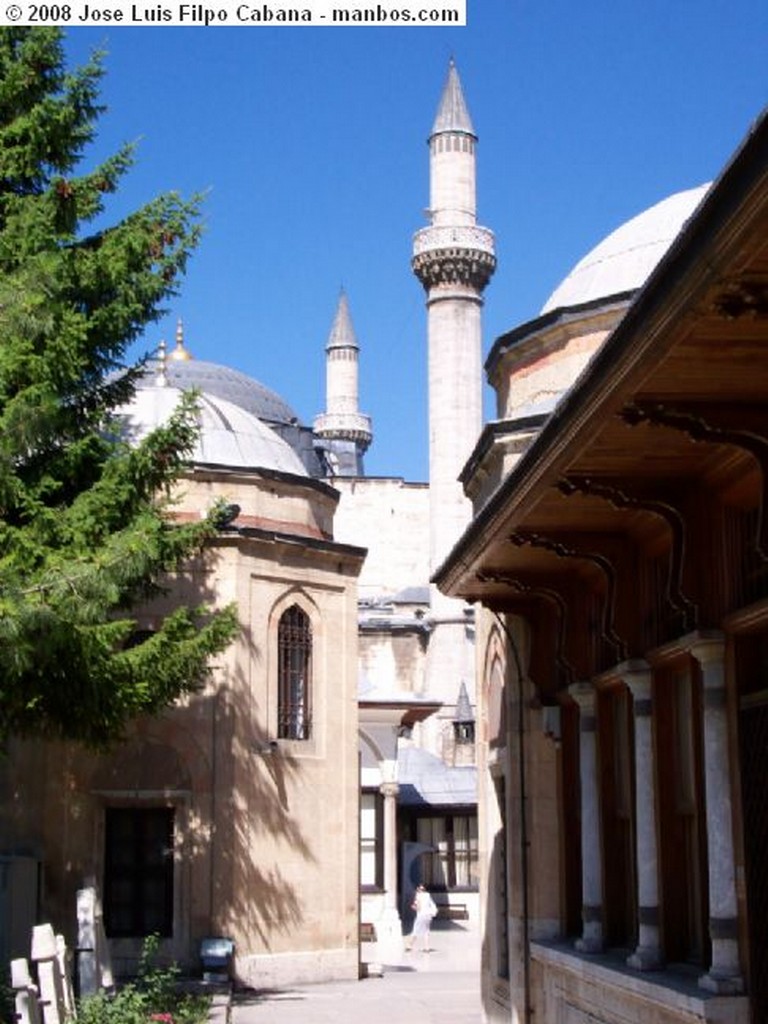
<point>624,260</point>
<point>232,386</point>
<point>229,437</point>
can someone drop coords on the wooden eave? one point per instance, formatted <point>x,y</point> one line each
<point>675,402</point>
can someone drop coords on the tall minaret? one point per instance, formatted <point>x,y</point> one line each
<point>346,431</point>
<point>454,260</point>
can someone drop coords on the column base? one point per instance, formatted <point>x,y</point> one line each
<point>646,958</point>
<point>725,985</point>
<point>589,944</point>
<point>591,940</point>
<point>389,936</point>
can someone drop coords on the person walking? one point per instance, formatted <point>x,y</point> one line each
<point>426,909</point>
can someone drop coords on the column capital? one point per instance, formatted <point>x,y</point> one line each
<point>584,694</point>
<point>707,648</point>
<point>389,789</point>
<point>637,676</point>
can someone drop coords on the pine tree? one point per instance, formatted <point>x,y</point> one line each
<point>86,527</point>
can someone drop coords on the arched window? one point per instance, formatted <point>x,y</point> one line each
<point>294,675</point>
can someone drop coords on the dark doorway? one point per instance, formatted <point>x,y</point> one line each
<point>138,872</point>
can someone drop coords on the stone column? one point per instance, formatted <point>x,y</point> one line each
<point>724,975</point>
<point>647,956</point>
<point>389,791</point>
<point>591,940</point>
<point>389,931</point>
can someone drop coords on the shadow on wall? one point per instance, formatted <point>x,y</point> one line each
<point>234,824</point>
<point>494,950</point>
<point>258,828</point>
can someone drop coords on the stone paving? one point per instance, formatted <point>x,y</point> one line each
<point>423,988</point>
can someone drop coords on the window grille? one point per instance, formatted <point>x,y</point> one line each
<point>294,642</point>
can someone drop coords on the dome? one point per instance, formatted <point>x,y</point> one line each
<point>229,436</point>
<point>232,386</point>
<point>624,260</point>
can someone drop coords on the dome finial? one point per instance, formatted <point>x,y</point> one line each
<point>161,381</point>
<point>180,352</point>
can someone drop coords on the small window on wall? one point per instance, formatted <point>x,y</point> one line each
<point>371,839</point>
<point>294,675</point>
<point>453,865</point>
<point>464,732</point>
<point>138,872</point>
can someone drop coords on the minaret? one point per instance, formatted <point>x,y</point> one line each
<point>454,260</point>
<point>346,431</point>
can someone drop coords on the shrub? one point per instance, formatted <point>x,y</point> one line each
<point>154,996</point>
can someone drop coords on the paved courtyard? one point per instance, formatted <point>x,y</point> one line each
<point>423,988</point>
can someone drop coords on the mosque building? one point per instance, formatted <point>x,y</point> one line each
<point>329,764</point>
<point>524,681</point>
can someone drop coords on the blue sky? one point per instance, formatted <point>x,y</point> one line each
<point>311,144</point>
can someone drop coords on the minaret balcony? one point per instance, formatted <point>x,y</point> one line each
<point>344,426</point>
<point>454,256</point>
<point>467,236</point>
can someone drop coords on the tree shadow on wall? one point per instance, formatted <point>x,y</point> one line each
<point>238,836</point>
<point>260,838</point>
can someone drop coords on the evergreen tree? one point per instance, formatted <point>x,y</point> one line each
<point>86,528</point>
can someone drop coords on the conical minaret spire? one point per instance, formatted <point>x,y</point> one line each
<point>346,431</point>
<point>452,113</point>
<point>342,332</point>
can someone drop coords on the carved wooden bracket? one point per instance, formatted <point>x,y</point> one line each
<point>622,496</point>
<point>573,549</point>
<point>739,424</point>
<point>742,298</point>
<point>552,597</point>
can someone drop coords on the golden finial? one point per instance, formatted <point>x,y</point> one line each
<point>180,352</point>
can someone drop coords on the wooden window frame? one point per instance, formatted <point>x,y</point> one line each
<point>377,848</point>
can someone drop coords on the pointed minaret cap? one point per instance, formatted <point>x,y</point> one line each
<point>342,332</point>
<point>463,711</point>
<point>452,114</point>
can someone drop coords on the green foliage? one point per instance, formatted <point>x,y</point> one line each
<point>86,530</point>
<point>154,995</point>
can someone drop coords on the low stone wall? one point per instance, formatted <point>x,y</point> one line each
<point>573,988</point>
